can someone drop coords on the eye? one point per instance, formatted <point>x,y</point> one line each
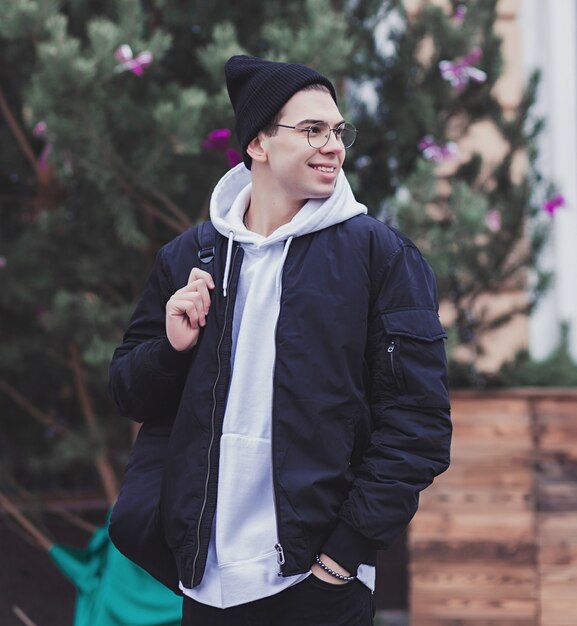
<point>339,130</point>
<point>316,129</point>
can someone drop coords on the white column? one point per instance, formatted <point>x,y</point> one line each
<point>550,36</point>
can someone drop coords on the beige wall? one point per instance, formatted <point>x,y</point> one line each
<point>482,137</point>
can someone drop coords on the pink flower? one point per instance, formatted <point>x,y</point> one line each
<point>459,72</point>
<point>437,152</point>
<point>130,63</point>
<point>40,131</point>
<point>3,262</point>
<point>493,220</point>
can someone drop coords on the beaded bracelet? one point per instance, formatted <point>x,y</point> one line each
<point>328,570</point>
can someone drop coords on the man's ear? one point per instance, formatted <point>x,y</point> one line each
<point>256,149</point>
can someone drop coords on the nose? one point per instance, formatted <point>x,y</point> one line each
<point>333,144</point>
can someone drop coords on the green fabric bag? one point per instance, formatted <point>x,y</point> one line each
<point>113,591</point>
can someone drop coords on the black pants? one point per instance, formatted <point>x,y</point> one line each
<point>312,602</point>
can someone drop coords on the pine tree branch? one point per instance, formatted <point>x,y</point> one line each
<point>130,180</point>
<point>25,523</point>
<point>22,616</point>
<point>75,520</point>
<point>182,221</point>
<point>153,211</point>
<point>31,409</point>
<point>81,389</point>
<point>170,205</point>
<point>19,135</point>
<point>178,225</point>
<point>103,465</point>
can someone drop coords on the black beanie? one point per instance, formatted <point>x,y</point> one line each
<point>258,89</point>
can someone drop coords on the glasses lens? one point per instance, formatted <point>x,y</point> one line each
<point>318,134</point>
<point>348,134</point>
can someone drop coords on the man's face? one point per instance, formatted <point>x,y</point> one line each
<point>296,169</point>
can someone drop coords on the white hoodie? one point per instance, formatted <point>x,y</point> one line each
<point>242,560</point>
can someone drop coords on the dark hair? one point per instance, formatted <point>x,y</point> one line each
<point>270,130</point>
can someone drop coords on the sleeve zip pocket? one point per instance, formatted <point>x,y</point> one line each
<point>391,350</point>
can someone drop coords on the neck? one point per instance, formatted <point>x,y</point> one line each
<point>268,211</point>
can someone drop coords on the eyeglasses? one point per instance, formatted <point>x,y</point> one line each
<point>319,133</point>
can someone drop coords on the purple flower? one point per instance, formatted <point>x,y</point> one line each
<point>233,157</point>
<point>460,13</point>
<point>217,139</point>
<point>39,129</point>
<point>552,204</point>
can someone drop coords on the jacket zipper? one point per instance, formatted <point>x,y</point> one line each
<point>213,430</point>
<point>391,350</point>
<point>280,558</point>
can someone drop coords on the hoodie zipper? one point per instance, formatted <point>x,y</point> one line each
<point>213,429</point>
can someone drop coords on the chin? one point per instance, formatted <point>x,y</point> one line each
<point>323,193</point>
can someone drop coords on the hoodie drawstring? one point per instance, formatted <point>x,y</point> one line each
<point>281,265</point>
<point>228,262</point>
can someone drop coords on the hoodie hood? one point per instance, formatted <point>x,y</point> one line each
<point>231,197</point>
<point>232,194</point>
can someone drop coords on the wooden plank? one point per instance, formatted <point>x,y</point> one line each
<point>430,604</point>
<point>556,496</point>
<point>488,409</point>
<point>477,580</point>
<point>489,458</point>
<point>557,527</point>
<point>561,576</point>
<point>562,612</point>
<point>427,620</point>
<point>559,553</point>
<point>556,409</point>
<point>505,432</point>
<point>494,552</point>
<point>558,427</point>
<point>506,473</point>
<point>445,496</point>
<point>509,528</point>
<point>556,436</point>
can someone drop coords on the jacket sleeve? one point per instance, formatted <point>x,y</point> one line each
<point>146,373</point>
<point>410,414</point>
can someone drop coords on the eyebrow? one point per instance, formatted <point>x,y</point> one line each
<point>309,121</point>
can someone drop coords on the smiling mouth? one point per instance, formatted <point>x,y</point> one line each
<point>324,168</point>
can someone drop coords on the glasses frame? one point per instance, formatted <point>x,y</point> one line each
<point>334,130</point>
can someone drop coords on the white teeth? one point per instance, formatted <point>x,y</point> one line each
<point>322,168</point>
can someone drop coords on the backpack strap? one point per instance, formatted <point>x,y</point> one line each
<point>207,246</point>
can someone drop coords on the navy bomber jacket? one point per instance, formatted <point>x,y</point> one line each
<point>361,418</point>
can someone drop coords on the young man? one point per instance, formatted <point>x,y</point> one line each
<point>302,379</point>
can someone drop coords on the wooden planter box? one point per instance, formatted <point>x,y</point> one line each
<point>495,540</point>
